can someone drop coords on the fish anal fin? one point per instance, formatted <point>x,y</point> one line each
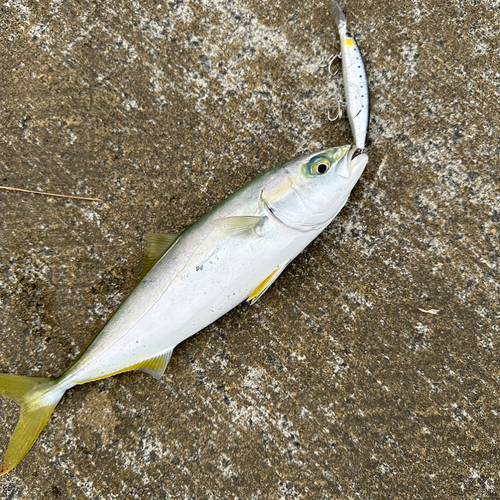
<point>156,366</point>
<point>261,289</point>
<point>157,244</point>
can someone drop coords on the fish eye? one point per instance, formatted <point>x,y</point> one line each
<point>319,166</point>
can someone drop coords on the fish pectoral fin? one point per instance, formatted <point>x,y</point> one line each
<point>156,366</point>
<point>259,291</point>
<point>157,244</point>
<point>241,223</point>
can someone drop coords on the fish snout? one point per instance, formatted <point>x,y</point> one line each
<point>351,163</point>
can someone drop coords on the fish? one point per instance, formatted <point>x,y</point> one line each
<point>233,253</point>
<point>356,90</point>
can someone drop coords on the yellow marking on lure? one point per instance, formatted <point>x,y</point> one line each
<point>350,42</point>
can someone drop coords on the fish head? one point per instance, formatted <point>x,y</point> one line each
<point>308,192</point>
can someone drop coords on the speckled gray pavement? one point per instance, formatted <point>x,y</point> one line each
<point>334,385</point>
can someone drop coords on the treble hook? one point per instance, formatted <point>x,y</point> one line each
<point>321,65</point>
<point>339,113</point>
<point>331,59</point>
<point>329,63</point>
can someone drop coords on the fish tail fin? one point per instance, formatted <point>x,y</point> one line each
<point>37,399</point>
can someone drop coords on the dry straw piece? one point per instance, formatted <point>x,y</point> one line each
<point>50,194</point>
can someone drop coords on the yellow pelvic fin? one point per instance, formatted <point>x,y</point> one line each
<point>27,392</point>
<point>259,291</point>
<point>157,244</point>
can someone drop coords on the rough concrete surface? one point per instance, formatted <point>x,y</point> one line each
<point>334,385</point>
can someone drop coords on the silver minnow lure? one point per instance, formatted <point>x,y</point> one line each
<point>355,80</point>
<point>234,253</point>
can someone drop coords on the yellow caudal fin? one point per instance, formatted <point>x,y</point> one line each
<point>37,403</point>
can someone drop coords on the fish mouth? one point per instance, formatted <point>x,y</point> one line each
<point>353,162</point>
<point>357,160</point>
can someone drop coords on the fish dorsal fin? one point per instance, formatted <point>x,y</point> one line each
<point>261,289</point>
<point>157,245</point>
<point>156,366</point>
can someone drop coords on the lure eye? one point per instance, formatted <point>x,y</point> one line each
<point>320,166</point>
<point>348,34</point>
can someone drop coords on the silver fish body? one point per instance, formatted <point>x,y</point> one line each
<point>355,81</point>
<point>233,253</point>
<point>217,263</point>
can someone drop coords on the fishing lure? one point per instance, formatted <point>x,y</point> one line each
<point>355,81</point>
<point>234,252</point>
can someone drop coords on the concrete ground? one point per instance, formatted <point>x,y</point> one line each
<point>334,385</point>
